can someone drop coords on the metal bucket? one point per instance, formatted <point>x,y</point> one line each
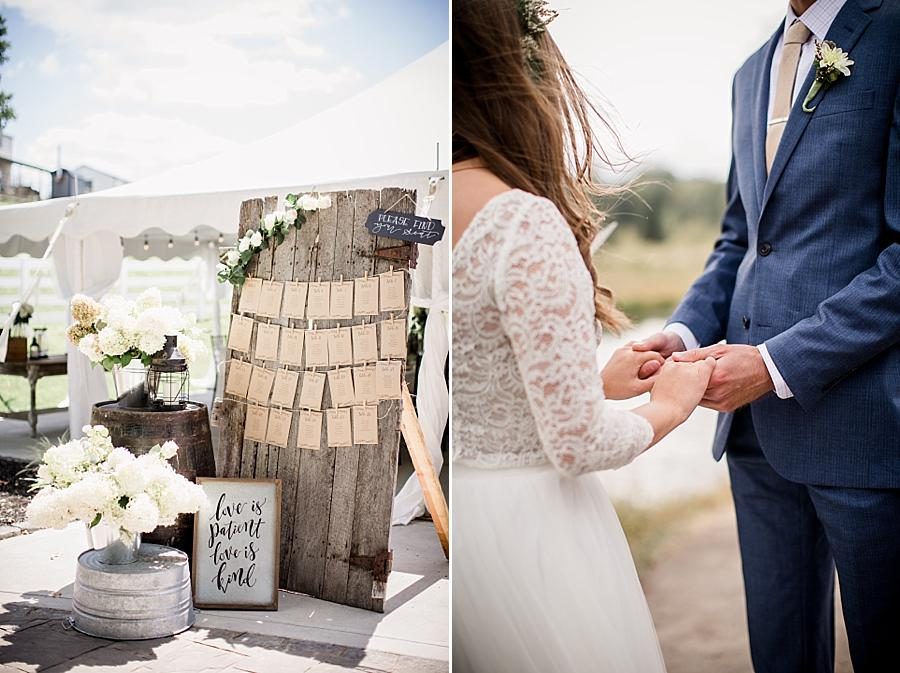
<point>150,598</point>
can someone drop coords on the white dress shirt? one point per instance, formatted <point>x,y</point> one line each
<point>818,18</point>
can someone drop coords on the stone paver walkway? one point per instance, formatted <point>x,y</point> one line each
<point>36,639</point>
<point>695,593</point>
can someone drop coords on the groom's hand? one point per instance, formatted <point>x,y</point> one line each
<point>740,376</point>
<point>664,343</point>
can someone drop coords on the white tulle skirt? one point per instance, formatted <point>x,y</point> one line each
<point>542,578</point>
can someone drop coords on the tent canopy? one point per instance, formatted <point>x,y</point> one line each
<point>386,136</point>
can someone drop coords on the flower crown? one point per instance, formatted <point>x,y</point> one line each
<point>535,16</point>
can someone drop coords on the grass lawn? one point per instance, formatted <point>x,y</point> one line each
<point>15,392</point>
<point>649,279</point>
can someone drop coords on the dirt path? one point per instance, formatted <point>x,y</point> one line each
<point>696,597</point>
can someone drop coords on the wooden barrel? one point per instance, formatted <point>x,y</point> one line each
<point>139,430</point>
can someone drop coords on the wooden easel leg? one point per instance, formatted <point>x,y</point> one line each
<point>435,501</point>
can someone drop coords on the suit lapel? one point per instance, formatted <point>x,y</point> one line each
<point>760,121</point>
<point>848,26</point>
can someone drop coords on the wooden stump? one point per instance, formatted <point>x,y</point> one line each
<point>140,430</point>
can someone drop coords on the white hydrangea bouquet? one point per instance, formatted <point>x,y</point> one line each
<point>89,480</point>
<point>232,267</point>
<point>115,331</point>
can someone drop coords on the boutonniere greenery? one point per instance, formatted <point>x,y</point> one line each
<point>832,63</point>
<point>232,267</point>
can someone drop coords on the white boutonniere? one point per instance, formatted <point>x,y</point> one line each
<point>832,63</point>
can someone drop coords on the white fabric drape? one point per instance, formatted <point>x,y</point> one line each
<point>90,265</point>
<point>431,290</point>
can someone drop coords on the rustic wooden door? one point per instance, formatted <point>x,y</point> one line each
<point>336,504</point>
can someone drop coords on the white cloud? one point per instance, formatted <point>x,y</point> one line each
<point>129,146</point>
<point>49,65</point>
<point>168,82</point>
<point>197,53</point>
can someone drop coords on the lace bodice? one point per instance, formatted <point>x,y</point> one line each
<point>526,386</point>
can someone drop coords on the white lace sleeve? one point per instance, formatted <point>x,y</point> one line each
<point>545,297</point>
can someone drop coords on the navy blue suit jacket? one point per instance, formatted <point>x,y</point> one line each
<point>808,261</point>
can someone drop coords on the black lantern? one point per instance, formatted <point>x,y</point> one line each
<point>168,379</point>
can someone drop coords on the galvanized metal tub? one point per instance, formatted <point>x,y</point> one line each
<point>150,598</point>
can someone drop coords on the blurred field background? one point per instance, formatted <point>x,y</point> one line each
<point>666,231</point>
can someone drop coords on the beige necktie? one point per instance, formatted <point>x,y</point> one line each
<point>784,87</point>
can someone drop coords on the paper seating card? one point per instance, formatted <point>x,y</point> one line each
<point>270,299</point>
<point>365,425</point>
<point>266,342</point>
<point>285,389</point>
<point>238,378</point>
<point>309,430</point>
<point>340,351</point>
<point>365,344</point>
<point>318,301</point>
<point>339,427</point>
<point>256,423</point>
<point>294,303</point>
<point>316,348</point>
<point>391,291</point>
<point>279,427</point>
<point>364,385</point>
<point>250,292</point>
<point>240,334</point>
<point>292,346</point>
<point>365,296</point>
<point>341,299</point>
<point>340,383</point>
<point>393,339</point>
<point>387,380</point>
<point>260,384</point>
<point>311,390</point>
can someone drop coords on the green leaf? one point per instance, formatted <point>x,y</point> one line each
<point>123,501</point>
<point>96,520</point>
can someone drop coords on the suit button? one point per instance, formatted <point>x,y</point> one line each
<point>765,249</point>
<point>746,322</point>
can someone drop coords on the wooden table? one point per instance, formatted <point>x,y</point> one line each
<point>34,370</point>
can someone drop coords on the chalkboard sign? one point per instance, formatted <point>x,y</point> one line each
<point>404,226</point>
<point>236,544</point>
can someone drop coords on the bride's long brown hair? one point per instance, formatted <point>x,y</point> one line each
<point>520,111</point>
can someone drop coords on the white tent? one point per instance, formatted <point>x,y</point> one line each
<point>393,134</point>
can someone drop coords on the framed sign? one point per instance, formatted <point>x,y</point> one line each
<point>236,544</point>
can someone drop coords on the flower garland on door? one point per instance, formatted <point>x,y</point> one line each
<point>232,267</point>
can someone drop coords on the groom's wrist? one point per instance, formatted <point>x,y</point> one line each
<point>782,390</point>
<point>683,332</point>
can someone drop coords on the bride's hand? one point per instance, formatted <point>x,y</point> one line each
<point>621,379</point>
<point>680,389</point>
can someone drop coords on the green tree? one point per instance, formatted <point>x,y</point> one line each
<point>6,111</point>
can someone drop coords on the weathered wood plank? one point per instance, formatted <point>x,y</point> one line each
<point>435,501</point>
<point>258,452</point>
<point>289,461</point>
<point>377,467</point>
<point>358,262</point>
<point>317,467</point>
<point>235,413</point>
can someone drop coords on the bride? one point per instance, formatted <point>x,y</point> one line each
<point>543,580</point>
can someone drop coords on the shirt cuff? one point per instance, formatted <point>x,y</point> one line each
<point>687,336</point>
<point>781,386</point>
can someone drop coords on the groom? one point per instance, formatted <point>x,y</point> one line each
<point>804,287</point>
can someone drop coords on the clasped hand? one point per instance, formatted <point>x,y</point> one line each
<point>740,375</point>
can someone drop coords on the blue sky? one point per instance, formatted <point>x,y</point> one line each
<point>134,88</point>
